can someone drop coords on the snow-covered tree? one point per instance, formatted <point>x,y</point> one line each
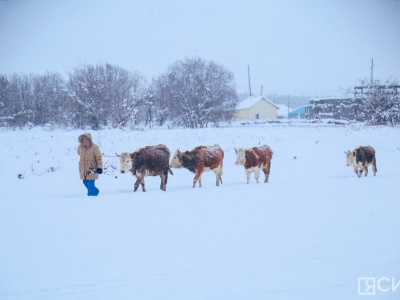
<point>4,97</point>
<point>33,99</point>
<point>194,93</point>
<point>126,92</point>
<point>50,99</point>
<point>87,88</point>
<point>20,100</point>
<point>381,102</point>
<point>106,95</point>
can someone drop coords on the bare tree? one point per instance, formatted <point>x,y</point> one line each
<point>194,93</point>
<point>106,94</point>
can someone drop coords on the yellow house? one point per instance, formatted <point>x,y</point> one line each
<point>256,108</point>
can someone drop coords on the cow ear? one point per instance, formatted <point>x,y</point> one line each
<point>133,155</point>
<point>354,153</point>
<point>235,150</point>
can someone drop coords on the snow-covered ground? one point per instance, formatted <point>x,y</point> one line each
<point>310,233</point>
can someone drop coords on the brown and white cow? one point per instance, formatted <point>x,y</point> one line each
<point>147,161</point>
<point>254,160</point>
<point>199,160</point>
<point>360,158</point>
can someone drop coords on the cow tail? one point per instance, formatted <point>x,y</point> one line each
<point>166,175</point>
<point>170,171</point>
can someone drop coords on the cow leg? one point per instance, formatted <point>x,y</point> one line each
<point>140,180</point>
<point>195,181</point>
<point>257,174</point>
<point>143,187</point>
<point>374,167</point>
<point>163,186</point>
<point>219,179</point>
<point>267,170</point>
<point>136,185</point>
<point>356,171</point>
<point>360,171</point>
<point>248,176</point>
<point>266,175</point>
<point>221,171</point>
<point>366,171</point>
<point>218,174</point>
<point>166,178</point>
<point>197,177</point>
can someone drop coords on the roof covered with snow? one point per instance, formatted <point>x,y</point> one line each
<point>283,110</point>
<point>329,99</point>
<point>249,102</point>
<point>300,110</point>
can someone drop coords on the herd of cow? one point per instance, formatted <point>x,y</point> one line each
<point>155,161</point>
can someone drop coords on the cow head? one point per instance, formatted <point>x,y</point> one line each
<point>176,161</point>
<point>351,157</point>
<point>125,159</point>
<point>240,156</point>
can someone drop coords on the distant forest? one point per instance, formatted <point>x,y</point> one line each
<point>192,93</point>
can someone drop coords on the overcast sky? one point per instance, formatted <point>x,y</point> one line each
<point>304,47</point>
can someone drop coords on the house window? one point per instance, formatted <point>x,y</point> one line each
<point>257,116</point>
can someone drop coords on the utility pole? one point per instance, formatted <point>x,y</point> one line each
<point>248,68</point>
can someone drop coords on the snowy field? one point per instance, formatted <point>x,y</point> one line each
<point>310,233</point>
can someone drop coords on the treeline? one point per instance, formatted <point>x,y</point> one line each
<point>192,93</point>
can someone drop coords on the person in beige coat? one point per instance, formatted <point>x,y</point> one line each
<point>90,163</point>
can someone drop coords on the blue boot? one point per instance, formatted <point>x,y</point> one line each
<point>92,190</point>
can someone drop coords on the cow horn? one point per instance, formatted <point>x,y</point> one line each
<point>117,154</point>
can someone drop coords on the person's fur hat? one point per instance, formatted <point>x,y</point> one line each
<point>87,136</point>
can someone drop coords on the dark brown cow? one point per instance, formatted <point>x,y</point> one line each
<point>254,160</point>
<point>147,161</point>
<point>360,158</point>
<point>199,160</point>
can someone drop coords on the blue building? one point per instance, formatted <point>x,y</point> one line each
<point>299,113</point>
